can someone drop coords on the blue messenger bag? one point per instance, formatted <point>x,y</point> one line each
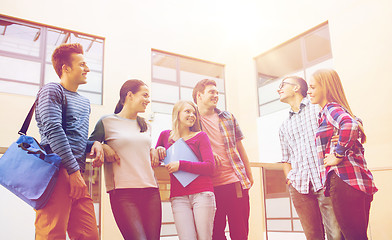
<point>27,170</point>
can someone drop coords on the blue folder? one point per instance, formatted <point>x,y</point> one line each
<point>181,151</point>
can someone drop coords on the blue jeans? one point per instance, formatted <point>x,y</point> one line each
<point>351,207</point>
<point>194,215</point>
<point>138,212</point>
<point>236,209</point>
<point>316,213</point>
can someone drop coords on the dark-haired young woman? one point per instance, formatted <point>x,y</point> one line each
<point>129,162</point>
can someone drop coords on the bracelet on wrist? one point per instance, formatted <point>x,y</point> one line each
<point>338,155</point>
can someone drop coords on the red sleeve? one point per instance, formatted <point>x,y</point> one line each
<point>163,139</point>
<point>203,151</point>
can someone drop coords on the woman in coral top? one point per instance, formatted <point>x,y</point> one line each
<point>193,205</point>
<point>129,161</point>
<point>345,175</point>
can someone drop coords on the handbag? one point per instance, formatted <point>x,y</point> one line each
<point>27,170</point>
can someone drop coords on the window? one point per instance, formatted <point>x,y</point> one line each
<point>25,57</point>
<point>173,78</point>
<point>300,56</point>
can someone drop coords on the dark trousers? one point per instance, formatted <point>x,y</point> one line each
<point>351,208</point>
<point>236,209</point>
<point>138,212</point>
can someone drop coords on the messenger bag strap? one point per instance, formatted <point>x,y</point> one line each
<point>26,123</point>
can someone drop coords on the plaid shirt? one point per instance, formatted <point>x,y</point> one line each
<point>232,133</point>
<point>334,119</point>
<point>297,134</point>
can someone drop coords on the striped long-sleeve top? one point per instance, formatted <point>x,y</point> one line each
<point>71,145</point>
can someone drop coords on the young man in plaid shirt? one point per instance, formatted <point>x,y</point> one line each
<point>233,177</point>
<point>297,139</point>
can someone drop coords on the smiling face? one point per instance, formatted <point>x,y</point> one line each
<point>209,98</point>
<point>287,89</point>
<point>317,94</point>
<point>77,72</point>
<point>187,116</point>
<point>140,99</point>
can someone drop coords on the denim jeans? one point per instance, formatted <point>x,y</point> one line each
<point>351,208</point>
<point>138,212</point>
<point>194,215</point>
<point>316,214</point>
<point>236,209</point>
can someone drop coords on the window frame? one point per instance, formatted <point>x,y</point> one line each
<point>41,58</point>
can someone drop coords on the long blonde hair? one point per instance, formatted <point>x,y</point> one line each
<point>330,81</point>
<point>179,106</point>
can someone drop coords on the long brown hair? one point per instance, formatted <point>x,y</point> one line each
<point>174,134</point>
<point>133,86</point>
<point>330,81</point>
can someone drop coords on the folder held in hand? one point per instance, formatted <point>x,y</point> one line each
<point>181,151</point>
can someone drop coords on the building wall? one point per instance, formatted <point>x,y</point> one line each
<point>231,34</point>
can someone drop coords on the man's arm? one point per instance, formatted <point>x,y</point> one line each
<point>286,170</point>
<point>49,112</point>
<point>49,109</point>
<point>245,160</point>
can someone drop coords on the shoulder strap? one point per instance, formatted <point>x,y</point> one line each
<point>26,123</point>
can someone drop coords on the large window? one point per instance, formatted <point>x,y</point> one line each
<point>173,78</point>
<point>300,56</point>
<point>25,57</point>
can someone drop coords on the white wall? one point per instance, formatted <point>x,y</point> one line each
<point>232,33</point>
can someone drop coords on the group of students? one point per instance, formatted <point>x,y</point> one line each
<point>122,143</point>
<point>329,182</point>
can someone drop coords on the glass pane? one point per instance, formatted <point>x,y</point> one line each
<point>94,55</point>
<point>268,135</point>
<point>164,73</point>
<point>272,107</point>
<point>221,102</point>
<point>208,69</point>
<point>326,64</point>
<point>279,225</point>
<point>18,88</point>
<point>280,61</point>
<point>164,93</point>
<point>268,92</point>
<point>277,207</point>
<point>164,66</point>
<point>285,236</point>
<point>21,70</point>
<point>94,82</point>
<point>297,225</point>
<point>186,94</point>
<point>95,98</point>
<point>318,44</point>
<point>54,38</point>
<point>162,108</point>
<point>50,74</point>
<point>189,79</point>
<point>93,48</point>
<point>18,38</point>
<point>160,122</point>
